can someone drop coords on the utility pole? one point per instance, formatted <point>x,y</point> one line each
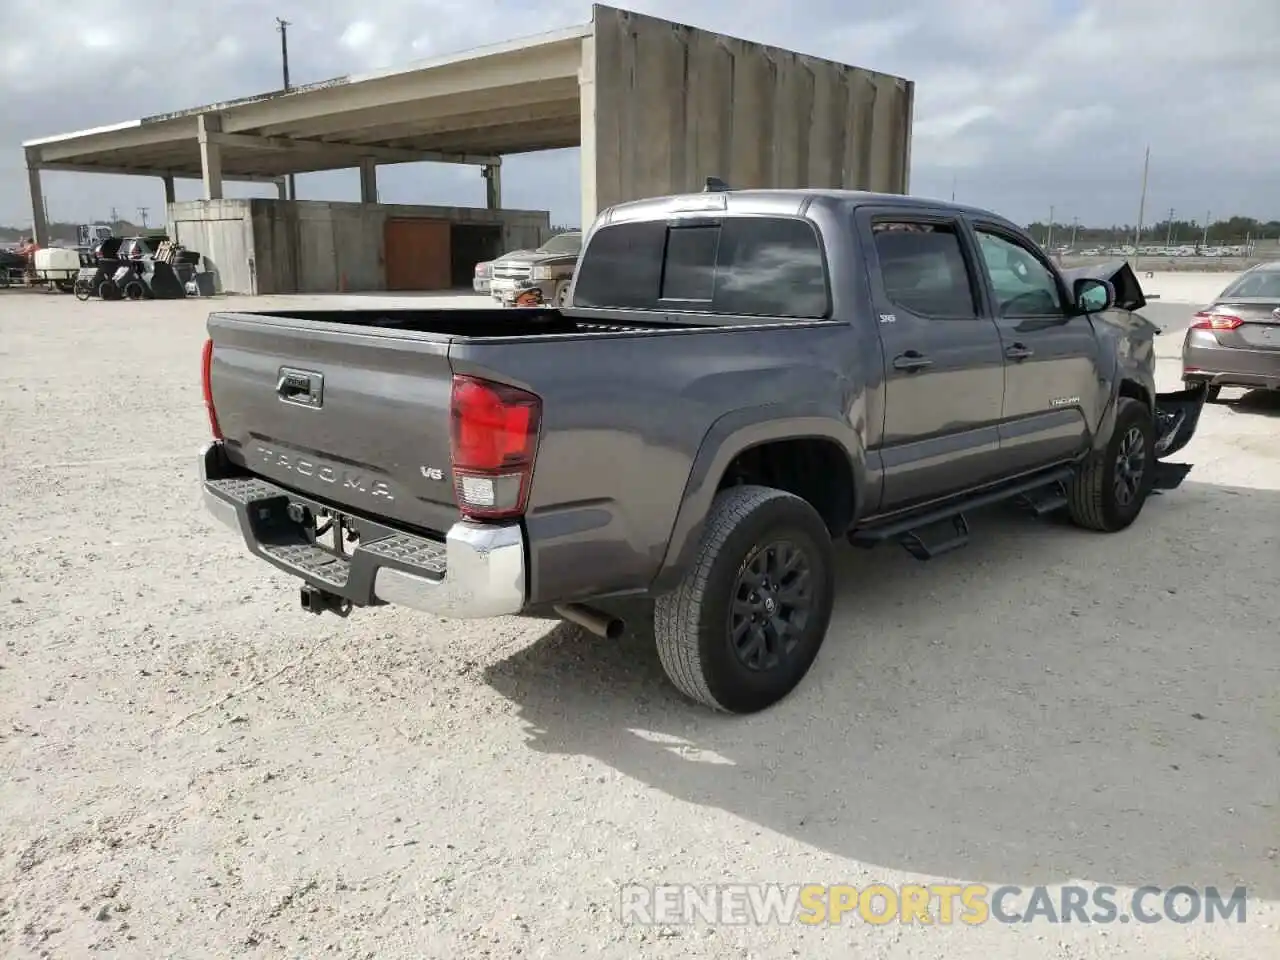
<point>1207,215</point>
<point>953,188</point>
<point>282,26</point>
<point>1168,236</point>
<point>1048,237</point>
<point>1142,207</point>
<point>142,212</point>
<point>1075,225</point>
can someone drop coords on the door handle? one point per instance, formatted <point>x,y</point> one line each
<point>911,361</point>
<point>301,387</point>
<point>290,387</point>
<point>1018,351</point>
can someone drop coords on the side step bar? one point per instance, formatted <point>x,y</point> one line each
<point>1041,494</point>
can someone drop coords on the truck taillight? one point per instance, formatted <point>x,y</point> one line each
<point>1204,320</point>
<point>206,387</point>
<point>493,440</point>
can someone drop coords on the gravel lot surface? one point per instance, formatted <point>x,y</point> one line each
<point>191,767</point>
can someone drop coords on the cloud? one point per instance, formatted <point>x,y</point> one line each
<point>1022,105</point>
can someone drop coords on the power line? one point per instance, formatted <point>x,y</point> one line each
<point>282,27</point>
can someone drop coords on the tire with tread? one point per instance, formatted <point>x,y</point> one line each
<point>1091,499</point>
<point>691,624</point>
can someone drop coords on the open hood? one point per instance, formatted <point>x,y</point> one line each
<point>1119,274</point>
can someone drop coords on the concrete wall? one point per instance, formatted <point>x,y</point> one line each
<point>262,246</point>
<point>670,105</point>
<point>222,231</point>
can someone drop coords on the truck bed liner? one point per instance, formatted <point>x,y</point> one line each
<point>477,324</point>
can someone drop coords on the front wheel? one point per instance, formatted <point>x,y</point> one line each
<point>745,624</point>
<point>83,290</point>
<point>1109,490</point>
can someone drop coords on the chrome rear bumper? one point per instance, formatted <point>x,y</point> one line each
<point>477,570</point>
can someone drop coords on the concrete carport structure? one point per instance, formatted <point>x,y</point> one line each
<point>655,106</point>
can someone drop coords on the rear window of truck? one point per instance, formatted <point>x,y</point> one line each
<point>735,266</point>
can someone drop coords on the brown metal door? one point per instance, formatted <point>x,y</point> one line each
<point>418,255</point>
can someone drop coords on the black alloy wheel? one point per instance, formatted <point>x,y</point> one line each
<point>1131,463</point>
<point>771,605</point>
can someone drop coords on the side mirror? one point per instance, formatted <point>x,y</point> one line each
<point>1093,296</point>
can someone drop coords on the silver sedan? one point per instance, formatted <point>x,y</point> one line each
<point>1235,341</point>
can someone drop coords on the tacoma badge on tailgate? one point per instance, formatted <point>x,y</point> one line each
<point>303,467</point>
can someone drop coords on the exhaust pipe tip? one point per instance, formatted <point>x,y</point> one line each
<point>594,621</point>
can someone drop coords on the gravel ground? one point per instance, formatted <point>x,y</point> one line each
<point>193,768</point>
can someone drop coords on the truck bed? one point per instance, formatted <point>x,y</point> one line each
<point>496,323</point>
<point>625,408</point>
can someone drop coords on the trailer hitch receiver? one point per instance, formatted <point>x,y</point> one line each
<point>317,601</point>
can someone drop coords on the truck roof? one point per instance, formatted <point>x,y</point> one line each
<point>779,201</point>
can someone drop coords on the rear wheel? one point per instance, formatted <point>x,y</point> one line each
<point>1108,491</point>
<point>744,626</point>
<point>133,290</point>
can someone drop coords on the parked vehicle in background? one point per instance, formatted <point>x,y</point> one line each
<point>484,271</point>
<point>540,276</point>
<point>89,235</point>
<point>740,379</point>
<point>135,248</point>
<point>1235,341</point>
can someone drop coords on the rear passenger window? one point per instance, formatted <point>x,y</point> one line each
<point>923,269</point>
<point>740,266</point>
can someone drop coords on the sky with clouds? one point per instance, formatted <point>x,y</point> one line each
<point>1021,104</point>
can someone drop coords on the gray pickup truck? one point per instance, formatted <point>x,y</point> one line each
<point>741,379</point>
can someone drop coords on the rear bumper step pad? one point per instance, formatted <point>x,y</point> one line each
<point>478,570</point>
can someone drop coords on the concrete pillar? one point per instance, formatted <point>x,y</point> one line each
<point>587,152</point>
<point>39,225</point>
<point>282,188</point>
<point>170,198</point>
<point>368,180</point>
<point>209,125</point>
<point>492,174</point>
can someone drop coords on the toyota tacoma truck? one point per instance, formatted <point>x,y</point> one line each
<point>738,380</point>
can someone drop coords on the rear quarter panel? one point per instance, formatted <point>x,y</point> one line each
<point>638,428</point>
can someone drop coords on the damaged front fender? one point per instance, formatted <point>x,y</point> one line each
<point>1177,416</point>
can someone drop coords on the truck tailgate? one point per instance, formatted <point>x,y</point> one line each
<point>354,416</point>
